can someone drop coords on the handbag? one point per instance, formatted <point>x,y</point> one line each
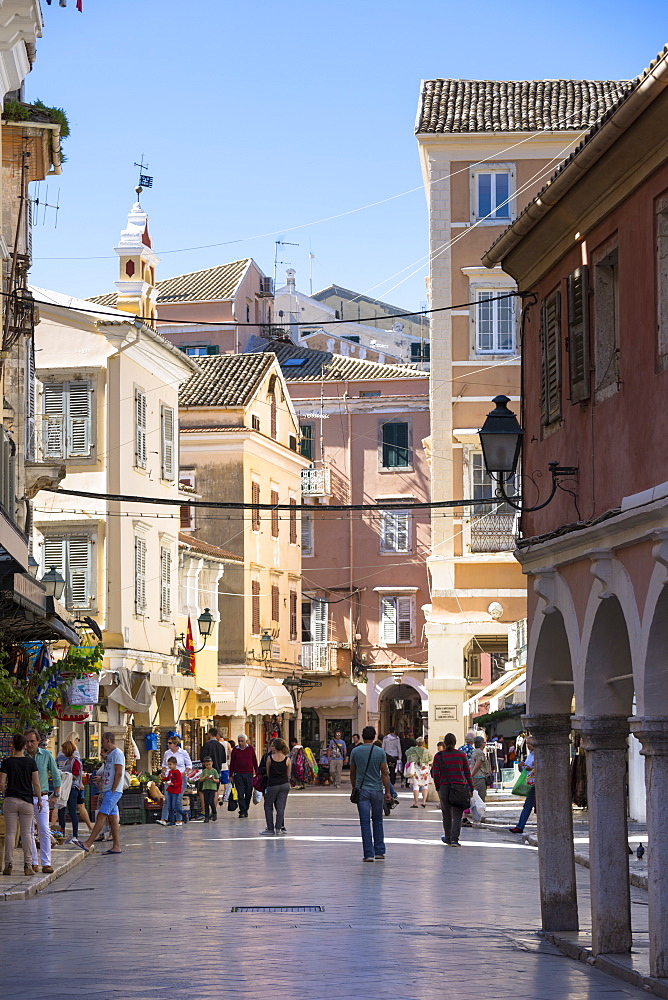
<point>489,780</point>
<point>260,782</point>
<point>459,796</point>
<point>355,794</point>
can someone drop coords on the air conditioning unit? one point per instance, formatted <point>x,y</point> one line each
<point>266,286</point>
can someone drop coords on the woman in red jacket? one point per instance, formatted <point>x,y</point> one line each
<point>453,782</point>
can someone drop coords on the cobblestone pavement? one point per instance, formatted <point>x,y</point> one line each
<point>429,922</point>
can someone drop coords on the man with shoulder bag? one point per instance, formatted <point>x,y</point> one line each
<point>452,779</point>
<point>370,782</point>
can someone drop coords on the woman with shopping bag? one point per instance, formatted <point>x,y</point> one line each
<point>418,760</point>
<point>526,780</point>
<point>452,778</point>
<point>481,768</point>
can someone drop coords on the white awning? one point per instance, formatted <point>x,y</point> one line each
<point>264,696</point>
<point>328,701</point>
<point>499,687</point>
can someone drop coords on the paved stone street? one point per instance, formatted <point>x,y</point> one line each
<point>430,922</point>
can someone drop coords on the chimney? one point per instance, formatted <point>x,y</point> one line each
<point>290,275</point>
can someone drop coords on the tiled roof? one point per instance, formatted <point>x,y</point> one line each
<point>225,380</point>
<point>209,285</point>
<point>208,550</point>
<point>452,106</point>
<point>320,365</point>
<point>350,296</point>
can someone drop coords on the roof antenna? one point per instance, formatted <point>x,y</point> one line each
<point>145,180</point>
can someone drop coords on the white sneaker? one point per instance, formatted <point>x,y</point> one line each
<point>179,822</point>
<point>161,822</point>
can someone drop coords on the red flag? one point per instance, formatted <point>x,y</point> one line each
<point>190,646</point>
<point>80,6</point>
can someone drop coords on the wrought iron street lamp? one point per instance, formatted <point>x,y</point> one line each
<point>266,643</point>
<point>54,583</point>
<point>205,624</point>
<point>501,443</point>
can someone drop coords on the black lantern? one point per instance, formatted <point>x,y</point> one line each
<point>501,440</point>
<point>265,643</point>
<point>205,623</point>
<point>54,583</point>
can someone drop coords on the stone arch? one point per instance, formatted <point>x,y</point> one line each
<point>374,691</point>
<point>653,689</point>
<point>550,683</point>
<point>607,682</point>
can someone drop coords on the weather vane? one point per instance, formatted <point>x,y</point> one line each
<point>145,180</point>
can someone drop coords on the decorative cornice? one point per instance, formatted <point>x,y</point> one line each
<point>544,585</point>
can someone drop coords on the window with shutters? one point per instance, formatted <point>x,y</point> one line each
<point>274,514</point>
<point>187,512</point>
<point>140,575</point>
<point>255,514</point>
<point>293,616</point>
<point>578,334</point>
<point>492,193</point>
<point>395,446</point>
<point>255,607</point>
<point>140,428</point>
<point>293,521</point>
<point>72,557</point>
<point>662,281</point>
<point>606,325</point>
<point>255,422</point>
<point>165,584</point>
<point>307,441</point>
<point>67,419</point>
<point>550,336</point>
<point>167,441</point>
<point>307,533</point>
<point>494,322</point>
<point>30,394</point>
<point>275,602</point>
<point>396,620</point>
<point>395,530</point>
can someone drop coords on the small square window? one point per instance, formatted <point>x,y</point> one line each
<point>491,195</point>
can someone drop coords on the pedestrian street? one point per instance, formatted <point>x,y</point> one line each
<point>429,922</point>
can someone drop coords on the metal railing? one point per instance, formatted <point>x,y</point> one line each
<point>317,656</point>
<point>316,482</point>
<point>493,532</point>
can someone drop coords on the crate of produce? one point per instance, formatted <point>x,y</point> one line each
<point>129,816</point>
<point>131,800</point>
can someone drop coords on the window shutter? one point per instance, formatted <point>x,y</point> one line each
<point>165,584</point>
<point>78,419</point>
<point>53,554</point>
<point>274,514</point>
<point>293,615</point>
<point>404,619</point>
<point>402,530</point>
<point>551,348</point>
<point>79,572</point>
<point>307,533</point>
<point>140,575</point>
<point>319,620</point>
<point>167,442</point>
<point>212,348</point>
<point>255,602</point>
<point>275,602</point>
<point>293,521</point>
<point>255,514</point>
<point>140,428</point>
<point>53,426</point>
<point>388,620</point>
<point>578,334</point>
<point>388,535</point>
<point>31,387</point>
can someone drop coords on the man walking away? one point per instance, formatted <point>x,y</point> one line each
<point>452,778</point>
<point>112,788</point>
<point>368,772</point>
<point>243,765</point>
<point>337,753</point>
<point>392,747</point>
<point>46,767</point>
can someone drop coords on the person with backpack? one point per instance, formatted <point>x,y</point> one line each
<point>452,780</point>
<point>370,780</point>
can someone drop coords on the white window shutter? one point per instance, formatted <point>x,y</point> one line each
<point>79,572</point>
<point>404,619</point>
<point>307,533</point>
<point>402,530</point>
<point>167,442</point>
<point>140,575</point>
<point>140,428</point>
<point>388,531</point>
<point>319,619</point>
<point>388,620</point>
<point>53,554</point>
<point>78,419</point>
<point>53,420</point>
<point>165,584</point>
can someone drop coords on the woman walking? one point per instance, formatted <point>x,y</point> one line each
<point>81,802</point>
<point>418,760</point>
<point>452,778</point>
<point>481,768</point>
<point>530,801</point>
<point>69,762</point>
<point>19,780</point>
<point>278,766</point>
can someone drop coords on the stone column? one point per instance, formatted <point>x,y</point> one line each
<point>604,739</point>
<point>653,734</point>
<point>556,861</point>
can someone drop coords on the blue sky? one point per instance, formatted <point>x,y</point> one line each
<point>259,117</point>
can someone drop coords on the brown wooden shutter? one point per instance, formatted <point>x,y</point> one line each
<point>275,603</point>
<point>255,602</point>
<point>274,514</point>
<point>578,334</point>
<point>550,401</point>
<point>255,498</point>
<point>293,615</point>
<point>293,521</point>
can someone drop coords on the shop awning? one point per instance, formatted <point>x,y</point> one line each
<point>264,696</point>
<point>503,685</point>
<point>325,701</point>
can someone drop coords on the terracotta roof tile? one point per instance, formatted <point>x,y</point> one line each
<point>209,285</point>
<point>225,380</point>
<point>318,365</point>
<point>209,550</point>
<point>453,106</point>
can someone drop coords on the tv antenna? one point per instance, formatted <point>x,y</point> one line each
<point>145,180</point>
<point>277,244</point>
<point>45,203</point>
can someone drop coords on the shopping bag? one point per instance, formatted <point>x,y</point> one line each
<point>521,787</point>
<point>65,788</point>
<point>257,796</point>
<point>232,804</point>
<point>477,807</point>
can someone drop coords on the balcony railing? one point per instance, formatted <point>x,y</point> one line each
<point>317,655</point>
<point>493,532</point>
<point>316,482</point>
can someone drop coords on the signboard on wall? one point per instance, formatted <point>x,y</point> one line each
<point>445,713</point>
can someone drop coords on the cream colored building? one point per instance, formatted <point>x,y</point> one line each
<point>486,149</point>
<point>239,443</point>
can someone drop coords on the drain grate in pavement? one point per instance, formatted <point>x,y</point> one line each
<point>278,909</point>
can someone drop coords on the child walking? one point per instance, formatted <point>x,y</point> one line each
<point>210,779</point>
<point>173,789</point>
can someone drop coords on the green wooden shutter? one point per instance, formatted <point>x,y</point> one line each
<point>578,334</point>
<point>551,352</point>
